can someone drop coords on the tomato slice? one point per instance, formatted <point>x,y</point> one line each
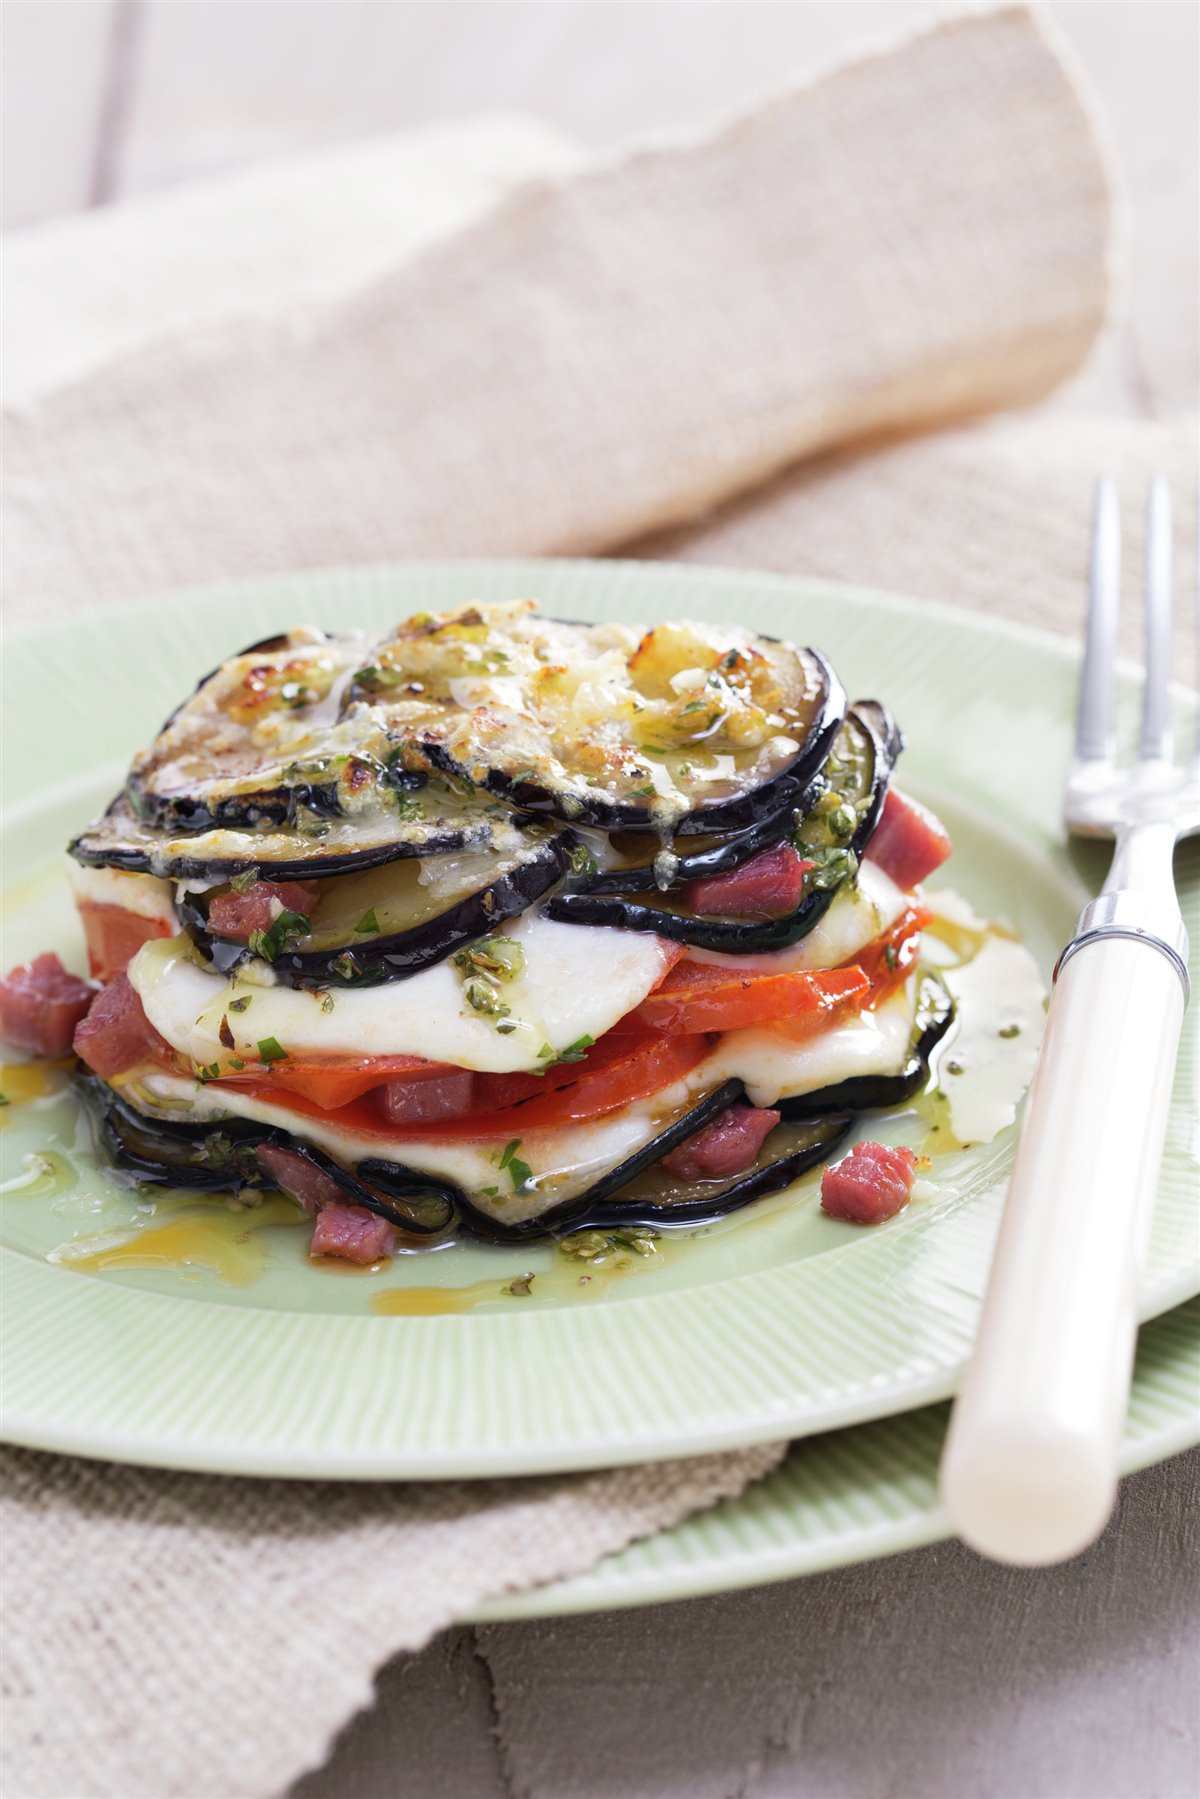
<point>888,959</point>
<point>704,996</point>
<point>331,1081</point>
<point>629,1069</point>
<point>114,935</point>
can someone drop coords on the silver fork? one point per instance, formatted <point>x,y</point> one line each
<point>1029,1471</point>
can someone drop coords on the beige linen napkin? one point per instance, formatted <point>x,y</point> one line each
<point>591,355</point>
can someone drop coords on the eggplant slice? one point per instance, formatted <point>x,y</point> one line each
<point>262,738</point>
<point>685,728</point>
<point>428,824</point>
<point>870,1092</point>
<point>858,771</point>
<point>387,923</point>
<point>219,1157</point>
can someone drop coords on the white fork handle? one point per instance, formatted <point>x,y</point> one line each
<point>1029,1473</point>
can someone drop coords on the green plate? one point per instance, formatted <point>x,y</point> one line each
<point>852,1496</point>
<point>778,1322</point>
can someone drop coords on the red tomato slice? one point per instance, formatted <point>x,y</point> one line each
<point>627,1071</point>
<point>703,996</point>
<point>888,959</point>
<point>330,1082</point>
<point>114,935</point>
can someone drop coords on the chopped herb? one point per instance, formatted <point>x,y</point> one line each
<point>225,1032</point>
<point>505,1030</point>
<point>598,1246</point>
<point>217,1148</point>
<point>1010,1030</point>
<point>368,924</point>
<point>524,774</point>
<point>207,1071</point>
<point>344,967</point>
<point>830,867</point>
<point>484,996</point>
<point>891,955</point>
<point>581,861</point>
<point>327,1002</point>
<point>495,958</point>
<point>519,1173</point>
<point>695,706</point>
<point>954,1068</point>
<point>407,809</point>
<point>518,1287</point>
<point>236,1063</point>
<point>575,1052</point>
<point>491,1191</point>
<point>283,935</point>
<point>646,792</point>
<point>242,883</point>
<point>271,1050</point>
<point>654,749</point>
<point>239,1005</point>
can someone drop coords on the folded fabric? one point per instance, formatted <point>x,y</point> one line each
<point>920,235</point>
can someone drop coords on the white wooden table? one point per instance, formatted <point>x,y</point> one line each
<point>932,1674</point>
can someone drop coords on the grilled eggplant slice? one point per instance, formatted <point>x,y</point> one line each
<point>264,738</point>
<point>219,1157</point>
<point>388,922</point>
<point>655,1196</point>
<point>870,1092</point>
<point>687,728</point>
<point>429,824</point>
<point>857,775</point>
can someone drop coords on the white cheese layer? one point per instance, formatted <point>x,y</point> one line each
<point>1000,1012</point>
<point>145,895</point>
<point>869,1043</point>
<point>575,983</point>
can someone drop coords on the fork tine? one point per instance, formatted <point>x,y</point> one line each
<point>1156,713</point>
<point>1097,687</point>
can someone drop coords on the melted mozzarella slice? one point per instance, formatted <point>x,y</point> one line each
<point>145,895</point>
<point>1000,1011</point>
<point>575,983</point>
<point>869,1043</point>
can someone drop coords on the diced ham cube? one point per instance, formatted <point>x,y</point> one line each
<point>40,1006</point>
<point>352,1234</point>
<point>771,883</point>
<point>727,1146</point>
<point>423,1102</point>
<point>909,842</point>
<point>874,1182</point>
<point>116,1035</point>
<point>299,1178</point>
<point>239,915</point>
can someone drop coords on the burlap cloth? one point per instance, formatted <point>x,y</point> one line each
<point>471,343</point>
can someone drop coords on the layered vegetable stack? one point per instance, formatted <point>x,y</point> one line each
<point>500,923</point>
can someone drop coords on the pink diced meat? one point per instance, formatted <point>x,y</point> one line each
<point>239,915</point>
<point>909,842</point>
<point>116,1035</point>
<point>423,1102</point>
<point>727,1146</point>
<point>353,1234</point>
<point>299,1178</point>
<point>874,1182</point>
<point>771,882</point>
<point>40,1006</point>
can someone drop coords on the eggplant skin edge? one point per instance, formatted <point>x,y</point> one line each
<point>368,1185</point>
<point>395,958</point>
<point>872,1092</point>
<point>744,936</point>
<point>738,813</point>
